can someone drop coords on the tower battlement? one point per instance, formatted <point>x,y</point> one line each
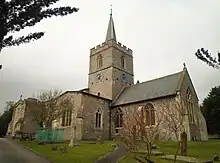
<point>110,43</point>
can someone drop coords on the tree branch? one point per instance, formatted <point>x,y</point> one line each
<point>206,57</point>
<point>10,41</point>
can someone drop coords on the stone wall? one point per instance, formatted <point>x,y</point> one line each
<point>18,114</point>
<point>160,107</point>
<point>76,99</point>
<point>91,105</point>
<point>198,129</point>
<point>31,109</point>
<point>84,111</point>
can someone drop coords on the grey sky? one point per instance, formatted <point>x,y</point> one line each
<point>162,34</point>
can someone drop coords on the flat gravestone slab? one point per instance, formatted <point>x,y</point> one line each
<point>153,152</point>
<point>186,159</point>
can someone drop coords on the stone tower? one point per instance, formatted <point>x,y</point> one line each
<point>111,66</point>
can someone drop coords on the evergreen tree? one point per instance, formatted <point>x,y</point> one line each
<point>6,117</point>
<point>211,110</point>
<point>15,15</point>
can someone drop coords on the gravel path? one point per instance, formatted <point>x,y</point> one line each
<point>114,156</point>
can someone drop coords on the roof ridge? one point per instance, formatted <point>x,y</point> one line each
<point>159,78</point>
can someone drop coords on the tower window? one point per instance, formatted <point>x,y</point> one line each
<point>99,61</point>
<point>123,62</point>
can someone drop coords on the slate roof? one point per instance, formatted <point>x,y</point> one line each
<point>111,30</point>
<point>156,88</point>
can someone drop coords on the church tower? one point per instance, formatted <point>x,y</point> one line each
<point>111,66</point>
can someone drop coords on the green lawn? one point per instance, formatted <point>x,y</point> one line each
<point>85,153</point>
<point>201,150</point>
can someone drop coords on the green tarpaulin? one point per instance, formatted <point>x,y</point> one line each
<point>48,135</point>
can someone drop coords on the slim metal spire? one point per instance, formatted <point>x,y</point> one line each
<point>111,29</point>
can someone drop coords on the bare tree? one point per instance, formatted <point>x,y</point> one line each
<point>139,131</point>
<point>173,118</point>
<point>51,107</point>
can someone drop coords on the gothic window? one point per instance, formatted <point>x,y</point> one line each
<point>70,118</point>
<point>67,117</point>
<point>189,105</point>
<point>119,118</point>
<point>123,62</point>
<point>99,61</point>
<point>148,113</point>
<point>98,116</point>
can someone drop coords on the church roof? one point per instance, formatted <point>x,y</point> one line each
<point>111,30</point>
<point>152,89</point>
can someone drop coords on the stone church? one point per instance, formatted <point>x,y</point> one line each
<point>99,109</point>
<point>111,90</point>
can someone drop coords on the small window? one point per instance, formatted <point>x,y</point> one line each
<point>123,62</point>
<point>99,61</point>
<point>119,118</point>
<point>98,93</point>
<point>98,119</point>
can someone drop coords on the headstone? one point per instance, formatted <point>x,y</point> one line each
<point>63,150</point>
<point>183,144</point>
<point>41,143</point>
<point>134,136</point>
<point>54,147</point>
<point>153,146</point>
<point>216,158</point>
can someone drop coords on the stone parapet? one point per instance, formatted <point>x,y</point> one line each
<point>109,44</point>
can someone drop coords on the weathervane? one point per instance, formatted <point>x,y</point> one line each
<point>111,10</point>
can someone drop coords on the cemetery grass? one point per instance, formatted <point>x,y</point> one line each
<point>79,154</point>
<point>200,150</point>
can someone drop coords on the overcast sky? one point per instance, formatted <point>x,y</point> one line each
<point>162,34</point>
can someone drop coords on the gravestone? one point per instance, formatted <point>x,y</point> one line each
<point>54,147</point>
<point>216,158</point>
<point>63,150</point>
<point>183,144</point>
<point>134,137</point>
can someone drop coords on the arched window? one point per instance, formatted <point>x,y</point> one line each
<point>148,113</point>
<point>67,117</point>
<point>99,61</point>
<point>123,62</point>
<point>98,116</point>
<point>119,118</point>
<point>189,105</point>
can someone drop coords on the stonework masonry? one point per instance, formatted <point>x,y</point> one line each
<point>108,44</point>
<point>23,119</point>
<point>112,72</point>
